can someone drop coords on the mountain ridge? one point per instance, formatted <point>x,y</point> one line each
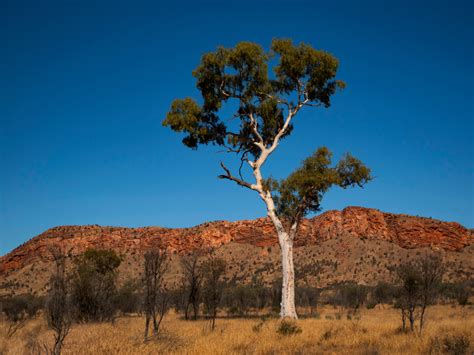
<point>405,230</point>
<point>360,243</point>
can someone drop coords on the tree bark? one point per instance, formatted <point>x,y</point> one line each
<point>404,318</point>
<point>412,317</point>
<point>288,309</point>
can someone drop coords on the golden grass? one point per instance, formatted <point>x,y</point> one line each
<point>376,332</point>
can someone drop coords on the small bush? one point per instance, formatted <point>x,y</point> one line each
<point>371,305</point>
<point>453,344</point>
<point>18,309</point>
<point>288,328</point>
<point>326,335</point>
<point>257,327</point>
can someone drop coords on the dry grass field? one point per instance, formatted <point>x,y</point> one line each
<point>376,332</point>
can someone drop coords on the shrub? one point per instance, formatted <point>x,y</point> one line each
<point>258,327</point>
<point>370,304</point>
<point>349,295</point>
<point>455,344</point>
<point>326,335</point>
<point>213,286</point>
<point>382,293</point>
<point>460,292</point>
<point>288,328</point>
<point>239,299</point>
<point>94,289</point>
<point>128,298</point>
<point>18,309</point>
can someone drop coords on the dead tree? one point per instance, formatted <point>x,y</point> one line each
<point>58,305</point>
<point>156,297</point>
<point>192,279</point>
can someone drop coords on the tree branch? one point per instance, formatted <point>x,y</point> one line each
<point>228,175</point>
<point>260,143</point>
<point>278,100</point>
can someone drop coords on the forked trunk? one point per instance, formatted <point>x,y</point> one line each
<point>288,309</point>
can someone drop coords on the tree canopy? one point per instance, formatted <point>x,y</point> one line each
<point>303,76</point>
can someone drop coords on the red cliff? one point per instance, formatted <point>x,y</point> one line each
<point>403,230</point>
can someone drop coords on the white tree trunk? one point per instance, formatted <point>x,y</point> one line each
<point>288,309</point>
<point>285,238</point>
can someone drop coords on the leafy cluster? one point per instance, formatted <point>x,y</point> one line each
<point>302,76</point>
<point>94,284</point>
<point>302,191</point>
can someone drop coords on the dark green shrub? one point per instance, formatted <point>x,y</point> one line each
<point>287,328</point>
<point>23,306</point>
<point>18,309</point>
<point>349,295</point>
<point>128,298</point>
<point>94,289</point>
<point>370,304</point>
<point>383,293</point>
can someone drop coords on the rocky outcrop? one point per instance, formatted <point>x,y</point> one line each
<point>403,230</point>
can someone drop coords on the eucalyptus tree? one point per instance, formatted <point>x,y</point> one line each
<point>265,107</point>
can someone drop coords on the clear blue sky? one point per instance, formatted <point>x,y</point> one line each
<point>86,84</point>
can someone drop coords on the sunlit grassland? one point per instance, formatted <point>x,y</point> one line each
<point>375,332</point>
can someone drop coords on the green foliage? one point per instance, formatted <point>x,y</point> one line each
<point>459,291</point>
<point>21,307</point>
<point>240,298</point>
<point>129,297</point>
<point>383,293</point>
<point>213,270</point>
<point>18,309</point>
<point>94,285</point>
<point>98,261</point>
<point>349,295</point>
<point>287,328</point>
<point>302,74</point>
<point>371,304</point>
<point>303,190</point>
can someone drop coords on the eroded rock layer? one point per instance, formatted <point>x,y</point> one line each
<point>358,222</point>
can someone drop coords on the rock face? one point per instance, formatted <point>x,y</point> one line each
<point>403,230</point>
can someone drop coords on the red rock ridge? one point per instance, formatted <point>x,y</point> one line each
<point>406,231</point>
